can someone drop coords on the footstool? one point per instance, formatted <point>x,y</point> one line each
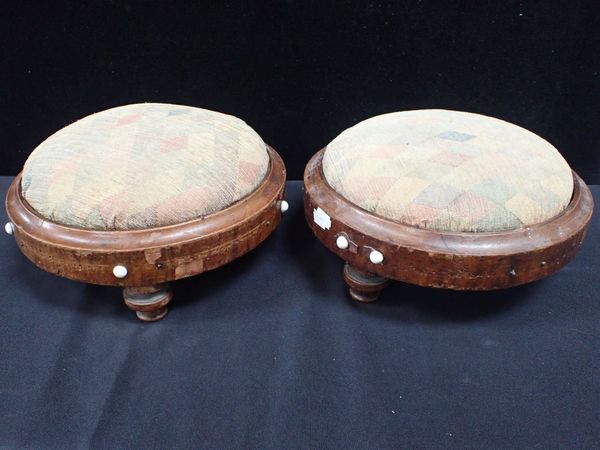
<point>141,195</point>
<point>444,199</point>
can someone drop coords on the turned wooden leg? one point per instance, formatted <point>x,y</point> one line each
<point>364,286</point>
<point>149,303</point>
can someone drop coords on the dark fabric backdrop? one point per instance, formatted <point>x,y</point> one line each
<point>300,72</point>
<point>269,352</point>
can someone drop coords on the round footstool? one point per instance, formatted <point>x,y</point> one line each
<point>444,199</point>
<point>141,195</point>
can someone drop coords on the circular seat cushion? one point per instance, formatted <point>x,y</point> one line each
<point>143,166</point>
<point>449,171</point>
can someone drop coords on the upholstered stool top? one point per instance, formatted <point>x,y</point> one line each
<point>449,171</point>
<point>143,166</point>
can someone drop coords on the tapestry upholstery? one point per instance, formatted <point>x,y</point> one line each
<point>142,166</point>
<point>449,171</point>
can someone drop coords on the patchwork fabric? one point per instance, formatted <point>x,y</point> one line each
<point>449,171</point>
<point>143,166</point>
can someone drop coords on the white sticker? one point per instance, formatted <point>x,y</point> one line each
<point>321,218</point>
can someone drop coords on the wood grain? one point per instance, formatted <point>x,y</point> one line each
<point>152,256</point>
<point>461,261</point>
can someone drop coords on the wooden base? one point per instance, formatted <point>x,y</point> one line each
<point>363,286</point>
<point>149,303</point>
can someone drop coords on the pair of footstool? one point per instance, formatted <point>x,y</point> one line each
<point>142,195</point>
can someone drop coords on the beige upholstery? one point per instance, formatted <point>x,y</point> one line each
<point>143,166</point>
<point>449,171</point>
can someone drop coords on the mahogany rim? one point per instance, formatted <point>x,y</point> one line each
<point>571,220</point>
<point>27,221</point>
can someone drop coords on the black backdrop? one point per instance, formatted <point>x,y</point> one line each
<point>299,72</point>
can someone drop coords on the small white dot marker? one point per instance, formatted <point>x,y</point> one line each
<point>284,206</point>
<point>376,257</point>
<point>342,242</point>
<point>9,228</point>
<point>120,271</point>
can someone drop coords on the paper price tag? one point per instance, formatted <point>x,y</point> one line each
<point>321,218</point>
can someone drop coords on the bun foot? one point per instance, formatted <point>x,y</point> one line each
<point>149,303</point>
<point>364,286</point>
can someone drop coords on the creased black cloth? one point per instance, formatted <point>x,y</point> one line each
<point>270,352</point>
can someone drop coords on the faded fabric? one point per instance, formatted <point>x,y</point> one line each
<point>449,171</point>
<point>143,166</point>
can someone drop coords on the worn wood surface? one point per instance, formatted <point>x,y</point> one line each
<point>363,286</point>
<point>152,256</point>
<point>148,302</point>
<point>462,261</point>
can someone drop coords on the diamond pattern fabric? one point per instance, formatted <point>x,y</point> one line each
<point>449,171</point>
<point>143,166</point>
